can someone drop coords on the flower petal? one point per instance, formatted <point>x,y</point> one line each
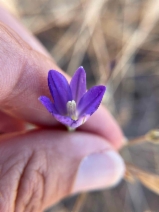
<point>78,84</point>
<point>48,104</point>
<point>60,90</point>
<point>69,122</point>
<point>63,119</point>
<point>80,121</point>
<point>91,100</point>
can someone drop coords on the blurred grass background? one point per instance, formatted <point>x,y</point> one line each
<point>117,42</point>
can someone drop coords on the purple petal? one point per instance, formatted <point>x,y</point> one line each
<point>78,84</point>
<point>80,121</point>
<point>48,104</point>
<point>63,119</point>
<point>91,100</point>
<point>60,90</point>
<point>69,122</point>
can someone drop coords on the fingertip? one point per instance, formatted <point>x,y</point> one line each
<point>99,171</point>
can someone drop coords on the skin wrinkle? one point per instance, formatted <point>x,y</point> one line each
<point>24,64</point>
<point>43,176</point>
<point>32,200</point>
<point>20,183</point>
<point>15,25</point>
<point>65,178</point>
<point>11,172</point>
<point>66,187</point>
<point>11,33</point>
<point>9,169</point>
<point>38,175</point>
<point>20,61</point>
<point>56,173</point>
<point>4,199</point>
<point>19,84</point>
<point>48,178</point>
<point>22,83</point>
<point>4,32</point>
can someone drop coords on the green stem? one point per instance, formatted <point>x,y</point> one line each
<point>70,129</point>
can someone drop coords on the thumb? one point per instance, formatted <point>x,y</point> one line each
<point>41,167</point>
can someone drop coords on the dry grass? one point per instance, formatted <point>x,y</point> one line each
<point>117,41</point>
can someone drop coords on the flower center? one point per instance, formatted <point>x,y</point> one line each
<point>71,109</point>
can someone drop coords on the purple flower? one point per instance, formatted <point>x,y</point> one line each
<point>72,105</point>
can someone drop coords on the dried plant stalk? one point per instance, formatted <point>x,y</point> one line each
<point>91,17</point>
<point>152,136</point>
<point>80,202</point>
<point>137,39</point>
<point>129,176</point>
<point>149,180</point>
<point>136,141</point>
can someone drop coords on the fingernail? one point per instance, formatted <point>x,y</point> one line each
<point>99,170</point>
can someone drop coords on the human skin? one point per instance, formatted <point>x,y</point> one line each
<point>40,167</point>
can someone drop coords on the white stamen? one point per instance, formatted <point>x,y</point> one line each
<point>71,109</point>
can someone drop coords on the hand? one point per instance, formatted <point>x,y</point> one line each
<point>41,166</point>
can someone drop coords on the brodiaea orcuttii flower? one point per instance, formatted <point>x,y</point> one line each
<point>72,105</point>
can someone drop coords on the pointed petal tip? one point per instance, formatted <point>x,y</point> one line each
<point>52,71</point>
<point>49,72</point>
<point>48,104</point>
<point>101,88</point>
<point>81,69</point>
<point>41,98</point>
<point>56,74</point>
<point>104,87</point>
